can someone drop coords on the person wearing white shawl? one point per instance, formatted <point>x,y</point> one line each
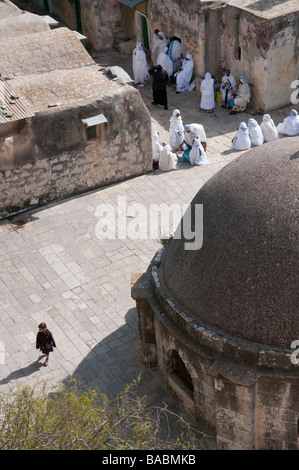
<point>290,125</point>
<point>269,129</point>
<point>164,60</point>
<point>168,160</point>
<point>157,146</point>
<point>255,132</point>
<point>176,130</point>
<point>207,93</point>
<point>154,41</point>
<point>159,45</point>
<point>242,97</point>
<point>140,65</point>
<point>241,140</point>
<point>197,154</point>
<point>175,54</point>
<point>184,74</point>
<point>193,131</point>
<point>228,88</point>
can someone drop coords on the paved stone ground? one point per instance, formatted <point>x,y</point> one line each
<point>54,269</point>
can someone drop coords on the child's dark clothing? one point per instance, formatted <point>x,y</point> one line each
<point>45,341</point>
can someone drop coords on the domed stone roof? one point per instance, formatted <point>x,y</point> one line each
<point>245,278</point>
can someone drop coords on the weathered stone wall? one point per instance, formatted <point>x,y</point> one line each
<point>268,54</point>
<point>66,12</point>
<point>101,20</point>
<point>184,20</point>
<point>49,158</point>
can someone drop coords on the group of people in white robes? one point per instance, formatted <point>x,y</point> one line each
<point>195,144</point>
<point>256,134</point>
<point>191,139</point>
<point>163,157</point>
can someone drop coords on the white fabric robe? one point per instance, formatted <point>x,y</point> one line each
<point>207,101</point>
<point>176,127</point>
<point>164,60</point>
<point>157,146</point>
<point>228,83</point>
<point>269,129</point>
<point>159,45</point>
<point>241,140</point>
<point>168,160</point>
<point>290,125</point>
<point>140,65</point>
<point>184,76</point>
<point>243,96</point>
<point>255,132</point>
<point>196,132</point>
<point>175,54</point>
<point>197,154</point>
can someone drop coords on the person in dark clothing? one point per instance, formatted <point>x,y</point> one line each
<point>160,79</point>
<point>45,341</point>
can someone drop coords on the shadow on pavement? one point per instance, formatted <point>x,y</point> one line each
<point>111,370</point>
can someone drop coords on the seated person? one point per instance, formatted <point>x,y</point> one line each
<point>197,155</point>
<point>193,131</point>
<point>290,125</point>
<point>241,140</point>
<point>255,132</point>
<point>242,98</point>
<point>184,74</point>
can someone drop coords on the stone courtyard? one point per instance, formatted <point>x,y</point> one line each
<point>55,269</point>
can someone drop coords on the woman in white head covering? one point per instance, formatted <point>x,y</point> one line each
<point>269,129</point>
<point>175,53</point>
<point>160,44</point>
<point>255,132</point>
<point>165,61</point>
<point>290,125</point>
<point>242,98</point>
<point>168,160</point>
<point>241,140</point>
<point>197,154</point>
<point>176,130</point>
<point>157,146</point>
<point>140,65</point>
<point>207,93</point>
<point>184,74</point>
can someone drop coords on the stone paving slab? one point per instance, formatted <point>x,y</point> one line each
<point>54,269</point>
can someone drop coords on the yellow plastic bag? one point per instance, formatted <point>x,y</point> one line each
<point>219,98</point>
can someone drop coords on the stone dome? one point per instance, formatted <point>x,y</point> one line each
<point>244,280</point>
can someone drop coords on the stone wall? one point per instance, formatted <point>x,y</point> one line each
<point>184,20</point>
<point>47,157</point>
<point>268,54</point>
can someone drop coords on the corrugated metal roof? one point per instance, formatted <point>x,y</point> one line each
<point>93,121</point>
<point>12,108</point>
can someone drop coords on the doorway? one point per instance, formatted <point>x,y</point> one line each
<point>78,15</point>
<point>142,29</point>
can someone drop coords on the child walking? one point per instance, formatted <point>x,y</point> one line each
<point>45,341</point>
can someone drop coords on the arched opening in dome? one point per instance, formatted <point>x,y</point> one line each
<point>180,374</point>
